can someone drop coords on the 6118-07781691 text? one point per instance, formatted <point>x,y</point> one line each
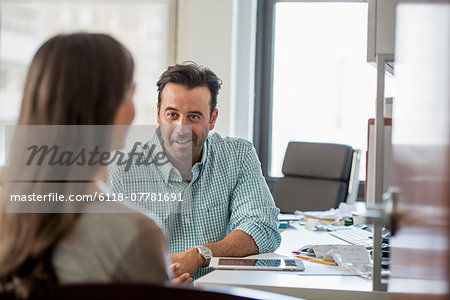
<point>102,197</point>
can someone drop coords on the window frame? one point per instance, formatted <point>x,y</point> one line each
<point>172,32</point>
<point>262,127</point>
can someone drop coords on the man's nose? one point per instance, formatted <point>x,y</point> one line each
<point>183,126</point>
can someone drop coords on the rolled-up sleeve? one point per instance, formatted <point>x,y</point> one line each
<point>252,207</point>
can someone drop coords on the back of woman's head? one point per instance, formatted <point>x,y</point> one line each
<point>76,79</point>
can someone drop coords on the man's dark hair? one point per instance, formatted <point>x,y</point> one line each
<point>190,75</point>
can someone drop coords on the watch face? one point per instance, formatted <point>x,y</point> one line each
<point>205,251</point>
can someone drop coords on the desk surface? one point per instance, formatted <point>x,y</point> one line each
<point>318,281</point>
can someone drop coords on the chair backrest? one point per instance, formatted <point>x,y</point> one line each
<point>113,291</point>
<point>316,176</point>
<point>134,291</point>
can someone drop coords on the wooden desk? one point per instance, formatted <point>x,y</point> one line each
<point>318,281</point>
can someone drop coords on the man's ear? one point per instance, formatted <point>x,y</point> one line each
<point>212,121</point>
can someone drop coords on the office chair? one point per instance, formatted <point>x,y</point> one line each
<point>113,291</point>
<point>316,176</point>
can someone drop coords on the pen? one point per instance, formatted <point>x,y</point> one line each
<point>296,252</point>
<point>331,263</point>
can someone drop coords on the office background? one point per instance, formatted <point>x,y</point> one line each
<point>323,88</point>
<point>231,37</point>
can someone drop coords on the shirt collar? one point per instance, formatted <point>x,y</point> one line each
<point>205,152</point>
<point>198,167</point>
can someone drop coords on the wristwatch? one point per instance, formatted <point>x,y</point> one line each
<point>206,253</point>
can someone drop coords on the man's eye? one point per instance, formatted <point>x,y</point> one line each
<point>172,115</point>
<point>195,117</point>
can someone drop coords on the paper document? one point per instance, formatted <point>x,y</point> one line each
<point>343,211</point>
<point>311,224</point>
<point>354,254</point>
<point>349,258</point>
<point>321,250</point>
<point>289,217</point>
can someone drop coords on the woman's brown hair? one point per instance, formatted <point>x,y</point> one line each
<point>73,79</point>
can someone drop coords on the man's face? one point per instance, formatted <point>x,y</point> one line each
<point>184,116</point>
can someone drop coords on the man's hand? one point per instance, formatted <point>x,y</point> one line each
<point>237,243</point>
<point>189,260</point>
<point>183,279</point>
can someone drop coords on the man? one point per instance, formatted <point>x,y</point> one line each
<point>228,209</point>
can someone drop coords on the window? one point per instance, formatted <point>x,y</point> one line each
<point>147,28</point>
<point>323,89</point>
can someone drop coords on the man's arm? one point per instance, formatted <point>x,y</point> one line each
<point>253,220</point>
<point>236,243</point>
<point>253,210</point>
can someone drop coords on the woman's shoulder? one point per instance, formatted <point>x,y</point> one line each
<point>99,244</point>
<point>125,226</point>
<point>126,219</point>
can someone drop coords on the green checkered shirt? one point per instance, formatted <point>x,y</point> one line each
<point>227,192</point>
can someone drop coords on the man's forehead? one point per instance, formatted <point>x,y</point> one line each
<point>172,87</point>
<point>180,95</point>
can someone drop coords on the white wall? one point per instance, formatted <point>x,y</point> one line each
<point>219,34</point>
<point>243,69</point>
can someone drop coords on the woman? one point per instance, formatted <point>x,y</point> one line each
<point>79,79</point>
